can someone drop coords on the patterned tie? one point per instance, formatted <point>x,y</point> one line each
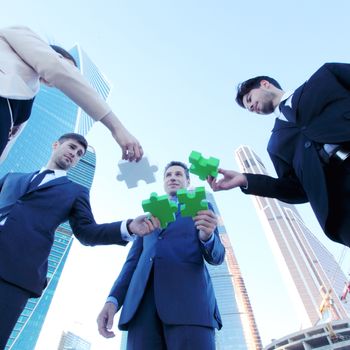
<point>37,180</point>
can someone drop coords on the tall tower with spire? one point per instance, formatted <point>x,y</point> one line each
<point>313,276</point>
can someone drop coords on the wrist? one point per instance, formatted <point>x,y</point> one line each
<point>128,222</point>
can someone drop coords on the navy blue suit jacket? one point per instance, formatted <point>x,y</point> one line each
<point>183,290</point>
<point>28,233</point>
<point>321,114</point>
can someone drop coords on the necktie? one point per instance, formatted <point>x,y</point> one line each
<point>37,180</point>
<point>287,112</point>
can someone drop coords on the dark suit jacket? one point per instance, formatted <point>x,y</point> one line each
<point>183,290</point>
<point>321,109</point>
<point>28,233</point>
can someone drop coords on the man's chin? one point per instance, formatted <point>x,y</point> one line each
<point>64,166</point>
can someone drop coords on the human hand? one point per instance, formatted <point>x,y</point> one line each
<point>130,146</point>
<point>206,222</point>
<point>143,225</point>
<point>105,320</point>
<point>230,180</point>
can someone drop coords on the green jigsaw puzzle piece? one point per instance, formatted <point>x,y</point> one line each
<point>203,167</point>
<point>160,207</point>
<point>193,201</point>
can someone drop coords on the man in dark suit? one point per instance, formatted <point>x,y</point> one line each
<point>164,287</point>
<point>31,207</point>
<point>309,146</point>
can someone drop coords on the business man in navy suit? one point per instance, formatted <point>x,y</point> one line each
<point>31,207</point>
<point>309,145</point>
<point>164,287</point>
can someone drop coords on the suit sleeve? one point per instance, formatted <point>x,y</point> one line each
<point>341,71</point>
<point>214,255</point>
<point>285,188</point>
<point>87,231</point>
<point>121,285</point>
<point>56,70</point>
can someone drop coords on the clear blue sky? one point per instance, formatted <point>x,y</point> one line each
<point>174,66</point>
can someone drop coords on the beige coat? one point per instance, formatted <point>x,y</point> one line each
<point>25,57</point>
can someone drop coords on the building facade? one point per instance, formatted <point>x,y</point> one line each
<point>313,276</point>
<point>70,341</point>
<point>239,331</point>
<point>53,114</point>
<point>334,335</point>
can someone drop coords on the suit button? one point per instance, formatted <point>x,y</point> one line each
<point>307,144</point>
<point>303,128</point>
<point>160,237</point>
<point>150,259</point>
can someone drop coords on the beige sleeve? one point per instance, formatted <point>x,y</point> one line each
<point>56,70</point>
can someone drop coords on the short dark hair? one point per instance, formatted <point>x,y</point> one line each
<point>250,84</point>
<point>64,53</point>
<point>177,163</point>
<point>73,136</point>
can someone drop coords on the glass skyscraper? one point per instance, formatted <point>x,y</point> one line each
<point>239,331</point>
<point>313,276</point>
<point>53,114</point>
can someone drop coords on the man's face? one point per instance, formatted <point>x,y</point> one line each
<point>175,179</point>
<point>67,154</point>
<point>259,100</point>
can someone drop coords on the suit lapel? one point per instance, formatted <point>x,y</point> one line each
<point>59,181</point>
<point>282,124</point>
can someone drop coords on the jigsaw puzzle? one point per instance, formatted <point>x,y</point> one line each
<point>203,167</point>
<point>192,201</point>
<point>160,207</point>
<point>132,172</point>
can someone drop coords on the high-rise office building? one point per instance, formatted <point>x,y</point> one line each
<point>53,114</point>
<point>313,276</point>
<point>239,331</point>
<point>70,341</point>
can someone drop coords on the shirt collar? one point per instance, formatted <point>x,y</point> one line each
<point>57,172</point>
<point>287,96</point>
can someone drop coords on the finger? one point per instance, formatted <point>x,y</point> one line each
<point>101,322</point>
<point>138,152</point>
<point>131,154</point>
<point>205,229</point>
<point>155,221</point>
<point>148,225</point>
<point>206,214</point>
<point>221,171</point>
<point>206,221</point>
<point>124,153</point>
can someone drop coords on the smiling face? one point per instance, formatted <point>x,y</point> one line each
<point>262,100</point>
<point>66,154</point>
<point>175,179</point>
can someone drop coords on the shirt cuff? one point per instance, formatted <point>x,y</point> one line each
<point>209,243</point>
<point>125,233</point>
<point>113,300</point>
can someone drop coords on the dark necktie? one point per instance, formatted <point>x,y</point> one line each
<point>37,180</point>
<point>287,112</point>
